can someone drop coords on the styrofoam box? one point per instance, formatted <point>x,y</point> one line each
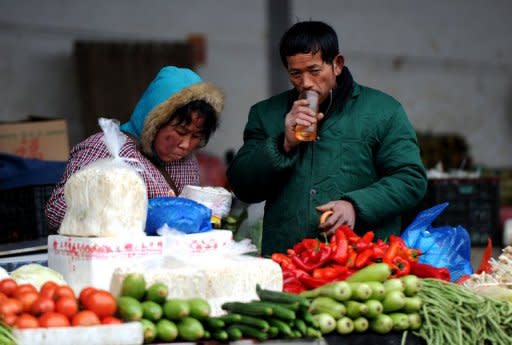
<point>88,261</point>
<point>130,333</point>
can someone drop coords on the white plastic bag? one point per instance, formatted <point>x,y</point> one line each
<point>108,197</point>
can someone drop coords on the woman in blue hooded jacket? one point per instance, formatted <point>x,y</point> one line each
<point>176,115</point>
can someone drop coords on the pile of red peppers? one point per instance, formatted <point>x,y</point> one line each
<point>312,263</point>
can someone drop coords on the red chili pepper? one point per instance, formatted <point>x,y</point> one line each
<point>295,288</point>
<point>325,273</point>
<point>340,254</point>
<point>364,242</point>
<point>324,256</point>
<point>399,267</point>
<point>410,254</point>
<point>281,259</point>
<point>312,283</point>
<point>428,271</point>
<point>378,253</point>
<point>392,252</point>
<point>363,258</point>
<point>349,233</point>
<point>351,260</point>
<point>343,271</point>
<point>485,265</point>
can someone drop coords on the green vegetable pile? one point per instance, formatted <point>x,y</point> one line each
<point>276,315</point>
<point>367,300</point>
<point>6,337</point>
<point>454,314</point>
<point>162,318</point>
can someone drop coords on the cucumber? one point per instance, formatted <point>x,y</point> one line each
<point>260,324</point>
<point>251,332</point>
<point>300,325</point>
<point>234,333</point>
<point>249,308</point>
<point>375,272</point>
<point>313,333</point>
<point>272,332</point>
<point>308,318</point>
<point>278,311</point>
<point>214,323</point>
<point>229,318</point>
<point>282,326</point>
<point>220,334</point>
<point>280,297</point>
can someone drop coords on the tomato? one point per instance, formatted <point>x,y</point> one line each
<point>9,319</point>
<point>110,320</point>
<point>10,306</point>
<point>53,319</point>
<point>42,305</point>
<point>8,286</point>
<point>2,296</point>
<point>101,302</point>
<point>67,306</point>
<point>48,289</point>
<point>85,318</point>
<point>22,288</point>
<point>27,299</point>
<point>84,293</point>
<point>26,321</point>
<point>63,290</point>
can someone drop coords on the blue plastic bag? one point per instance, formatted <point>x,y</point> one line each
<point>182,214</point>
<point>444,246</point>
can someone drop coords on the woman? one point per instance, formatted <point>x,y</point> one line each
<point>175,116</point>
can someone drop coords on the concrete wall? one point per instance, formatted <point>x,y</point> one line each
<point>448,62</point>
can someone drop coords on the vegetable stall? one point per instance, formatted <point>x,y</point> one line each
<point>347,289</point>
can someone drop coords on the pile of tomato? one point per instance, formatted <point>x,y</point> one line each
<point>23,306</point>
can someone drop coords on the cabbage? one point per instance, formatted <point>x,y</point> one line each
<point>36,275</point>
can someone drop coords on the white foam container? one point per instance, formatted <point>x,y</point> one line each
<point>124,334</point>
<point>87,261</point>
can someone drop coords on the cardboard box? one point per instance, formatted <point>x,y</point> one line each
<point>90,261</point>
<point>42,139</point>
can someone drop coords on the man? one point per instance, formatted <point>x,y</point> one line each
<point>364,166</point>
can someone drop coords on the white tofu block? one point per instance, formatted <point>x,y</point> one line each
<point>217,279</point>
<point>88,261</point>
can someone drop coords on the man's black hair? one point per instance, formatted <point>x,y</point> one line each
<point>183,116</point>
<point>309,37</point>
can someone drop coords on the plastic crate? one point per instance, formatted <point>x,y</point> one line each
<point>474,203</point>
<point>22,213</point>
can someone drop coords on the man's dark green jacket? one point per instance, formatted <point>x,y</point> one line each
<point>367,153</point>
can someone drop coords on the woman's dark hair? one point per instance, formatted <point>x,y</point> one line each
<point>309,37</point>
<point>183,116</point>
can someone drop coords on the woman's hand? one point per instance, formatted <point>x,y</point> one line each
<point>343,212</point>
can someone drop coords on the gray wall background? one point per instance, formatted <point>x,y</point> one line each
<point>448,62</point>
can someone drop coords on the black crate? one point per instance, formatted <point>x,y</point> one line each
<point>474,203</point>
<point>22,213</point>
